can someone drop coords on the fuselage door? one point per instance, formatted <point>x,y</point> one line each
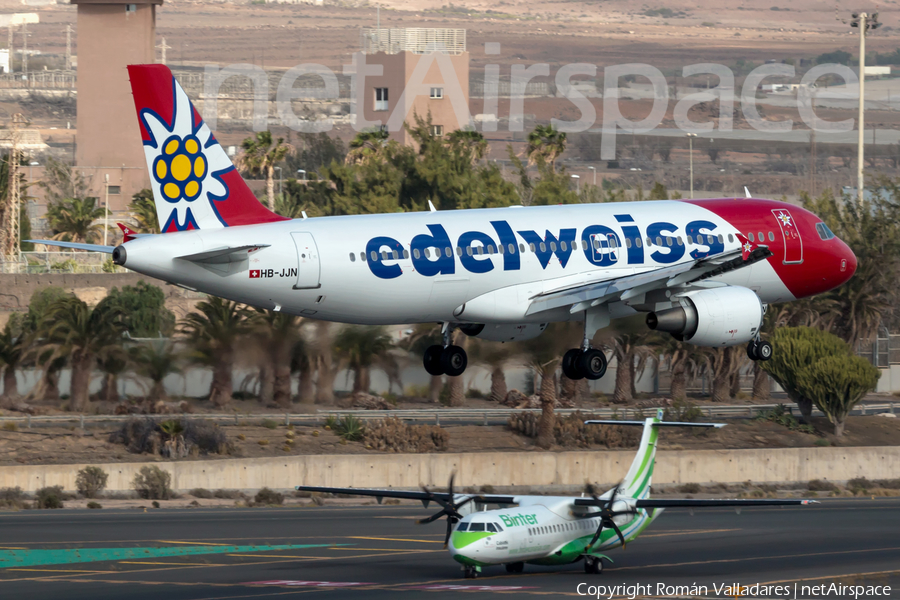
<point>790,231</point>
<point>308,259</point>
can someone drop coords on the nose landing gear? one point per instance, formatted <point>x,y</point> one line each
<point>445,359</point>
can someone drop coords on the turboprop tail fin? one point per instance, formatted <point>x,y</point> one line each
<point>194,183</point>
<point>637,482</point>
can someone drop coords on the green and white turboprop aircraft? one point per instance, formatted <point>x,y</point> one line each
<point>554,530</point>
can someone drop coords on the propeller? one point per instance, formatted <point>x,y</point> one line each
<point>606,514</point>
<point>448,508</point>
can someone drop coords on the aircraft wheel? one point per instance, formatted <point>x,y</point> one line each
<point>432,360</point>
<point>454,361</point>
<point>764,350</point>
<point>592,364</point>
<point>570,364</point>
<point>592,565</point>
<point>471,573</point>
<point>751,351</point>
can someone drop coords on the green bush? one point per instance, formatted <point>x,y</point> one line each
<point>49,497</point>
<point>781,416</point>
<point>269,423</point>
<point>90,481</point>
<point>12,498</point>
<point>94,505</point>
<point>201,493</point>
<point>268,497</point>
<point>151,483</point>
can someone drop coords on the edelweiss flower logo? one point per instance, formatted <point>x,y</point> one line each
<point>785,219</point>
<point>187,164</point>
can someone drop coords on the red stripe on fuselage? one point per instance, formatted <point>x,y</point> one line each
<point>821,268</point>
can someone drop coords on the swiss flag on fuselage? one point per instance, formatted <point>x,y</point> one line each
<point>254,273</point>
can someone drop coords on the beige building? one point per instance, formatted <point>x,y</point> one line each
<point>423,71</point>
<point>111,35</point>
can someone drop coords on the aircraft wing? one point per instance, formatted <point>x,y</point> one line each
<point>424,497</point>
<point>75,246</point>
<point>703,503</point>
<point>586,295</point>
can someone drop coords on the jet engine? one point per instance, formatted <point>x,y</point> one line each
<point>504,333</point>
<point>724,316</point>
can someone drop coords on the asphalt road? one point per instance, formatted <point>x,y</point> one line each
<point>378,552</point>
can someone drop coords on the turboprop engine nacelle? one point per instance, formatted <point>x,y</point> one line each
<point>505,333</point>
<point>724,316</point>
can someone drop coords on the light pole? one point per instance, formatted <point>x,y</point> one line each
<point>864,23</point>
<point>690,138</point>
<point>279,180</point>
<point>594,169</point>
<point>577,179</point>
<point>106,208</point>
<point>299,171</point>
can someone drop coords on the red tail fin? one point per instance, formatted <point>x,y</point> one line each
<point>194,183</point>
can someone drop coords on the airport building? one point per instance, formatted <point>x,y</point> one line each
<point>423,71</point>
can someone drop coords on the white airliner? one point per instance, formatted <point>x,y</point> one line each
<point>702,270</point>
<point>554,530</point>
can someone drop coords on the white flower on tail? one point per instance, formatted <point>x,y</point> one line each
<point>186,167</point>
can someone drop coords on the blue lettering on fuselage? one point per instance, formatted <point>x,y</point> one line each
<point>433,253</point>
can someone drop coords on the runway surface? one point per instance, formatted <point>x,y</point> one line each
<point>378,552</point>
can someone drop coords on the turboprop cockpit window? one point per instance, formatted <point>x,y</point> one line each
<point>463,527</point>
<point>476,526</point>
<point>490,527</point>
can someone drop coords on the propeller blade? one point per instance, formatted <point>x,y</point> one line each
<point>432,518</point>
<point>452,477</point>
<point>596,536</point>
<point>618,532</point>
<point>449,531</point>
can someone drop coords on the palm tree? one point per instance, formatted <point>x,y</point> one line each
<point>423,336</point>
<point>725,363</point>
<point>143,209</point>
<point>155,360</point>
<point>73,220</point>
<point>213,331</point>
<point>543,355</point>
<point>469,142</point>
<point>12,349</point>
<point>494,356</point>
<point>261,154</point>
<point>684,361</point>
<point>37,353</point>
<point>362,347</point>
<point>365,146</point>
<point>630,345</point>
<point>545,144</point>
<point>278,333</point>
<point>84,335</point>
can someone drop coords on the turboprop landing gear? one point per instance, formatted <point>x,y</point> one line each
<point>445,359</point>
<point>470,572</point>
<point>516,567</point>
<point>759,350</point>
<point>593,565</point>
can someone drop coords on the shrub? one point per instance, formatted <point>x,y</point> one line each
<point>270,424</point>
<point>268,497</point>
<point>12,498</point>
<point>683,412</point>
<point>817,485</point>
<point>201,493</point>
<point>393,435</point>
<point>783,417</point>
<point>151,482</point>
<point>174,438</point>
<point>571,432</point>
<point>689,488</point>
<point>228,494</point>
<point>94,505</point>
<point>90,481</point>
<point>154,504</point>
<point>347,427</point>
<point>10,426</point>
<point>860,485</point>
<point>49,497</point>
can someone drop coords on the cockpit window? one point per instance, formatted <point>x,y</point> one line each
<point>499,529</point>
<point>824,232</point>
<point>476,526</point>
<point>463,527</point>
<point>490,527</point>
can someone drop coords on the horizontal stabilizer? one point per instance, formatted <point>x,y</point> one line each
<point>223,255</point>
<point>75,246</point>
<point>657,424</point>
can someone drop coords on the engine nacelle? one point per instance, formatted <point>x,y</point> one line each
<point>504,333</point>
<point>724,316</point>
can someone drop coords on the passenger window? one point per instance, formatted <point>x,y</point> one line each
<point>448,252</point>
<point>531,247</point>
<point>628,242</point>
<point>396,255</point>
<point>384,255</point>
<point>649,241</point>
<point>490,248</point>
<point>416,253</point>
<point>462,527</point>
<point>362,256</point>
<point>721,239</point>
<point>668,241</point>
<point>427,253</point>
<point>771,237</point>
<point>512,249</point>
<point>353,257</point>
<point>690,239</point>
<point>374,255</point>
<point>469,251</point>
<point>480,250</point>
<point>552,246</point>
<point>613,243</point>
<point>563,246</point>
<point>476,526</point>
<point>405,253</point>
<point>658,241</point>
<point>459,250</point>
<point>502,249</point>
<point>543,247</point>
<point>730,238</point>
<point>680,241</point>
<point>750,236</point>
<point>639,242</point>
<point>596,244</point>
<point>711,240</point>
<point>762,238</point>
<point>522,248</point>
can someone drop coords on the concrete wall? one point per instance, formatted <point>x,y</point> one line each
<point>556,469</point>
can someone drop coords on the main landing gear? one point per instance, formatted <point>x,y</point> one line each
<point>593,565</point>
<point>445,359</point>
<point>759,350</point>
<point>584,362</point>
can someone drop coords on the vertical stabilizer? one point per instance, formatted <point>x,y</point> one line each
<point>194,183</point>
<point>637,482</point>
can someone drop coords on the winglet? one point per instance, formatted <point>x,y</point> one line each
<point>431,206</point>
<point>126,232</point>
<point>746,192</point>
<point>747,247</point>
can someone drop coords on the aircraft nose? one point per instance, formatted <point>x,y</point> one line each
<point>847,263</point>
